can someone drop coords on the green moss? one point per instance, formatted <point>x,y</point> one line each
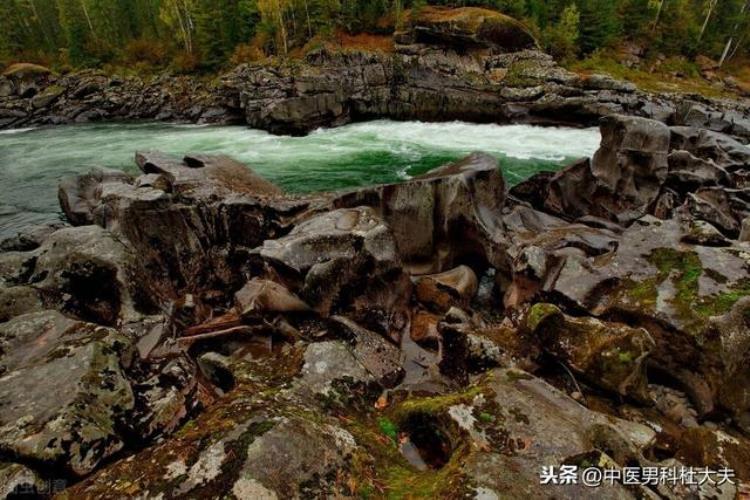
<point>25,69</point>
<point>721,303</point>
<point>661,80</point>
<point>685,270</point>
<point>643,292</point>
<point>538,313</point>
<point>388,428</point>
<point>520,74</point>
<point>433,405</point>
<point>401,481</point>
<point>486,417</point>
<point>380,471</point>
<point>625,357</point>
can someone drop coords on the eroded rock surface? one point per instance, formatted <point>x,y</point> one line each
<point>200,333</point>
<point>63,394</point>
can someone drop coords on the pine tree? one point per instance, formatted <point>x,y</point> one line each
<point>77,30</point>
<point>599,24</point>
<point>562,39</point>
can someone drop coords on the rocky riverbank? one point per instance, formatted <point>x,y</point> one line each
<point>197,331</point>
<point>497,76</point>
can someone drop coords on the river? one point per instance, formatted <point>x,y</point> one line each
<point>32,161</point>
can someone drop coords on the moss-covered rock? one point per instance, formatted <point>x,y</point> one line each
<point>468,27</point>
<point>609,355</point>
<point>47,96</point>
<point>26,78</point>
<point>63,394</point>
<point>25,70</point>
<point>262,440</point>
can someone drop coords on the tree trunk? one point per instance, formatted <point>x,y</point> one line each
<point>726,51</point>
<point>88,18</point>
<point>711,6</point>
<point>731,37</point>
<point>282,27</point>
<point>658,14</point>
<point>309,24</point>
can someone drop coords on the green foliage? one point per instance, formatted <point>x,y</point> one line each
<point>600,24</point>
<point>388,428</point>
<point>561,39</point>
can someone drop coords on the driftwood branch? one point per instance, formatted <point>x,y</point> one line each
<point>237,330</point>
<point>223,322</point>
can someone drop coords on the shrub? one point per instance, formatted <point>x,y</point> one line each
<point>185,62</point>
<point>246,53</point>
<point>143,50</point>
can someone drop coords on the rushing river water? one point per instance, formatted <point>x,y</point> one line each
<point>32,161</point>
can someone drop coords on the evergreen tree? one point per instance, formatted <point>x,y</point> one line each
<point>76,29</point>
<point>599,24</point>
<point>562,39</point>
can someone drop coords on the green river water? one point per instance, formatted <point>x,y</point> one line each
<point>32,161</point>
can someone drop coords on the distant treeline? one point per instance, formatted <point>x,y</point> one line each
<point>207,34</point>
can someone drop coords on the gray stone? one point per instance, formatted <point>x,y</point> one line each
<point>62,391</point>
<point>745,230</point>
<point>441,216</point>
<point>19,480</point>
<point>79,195</point>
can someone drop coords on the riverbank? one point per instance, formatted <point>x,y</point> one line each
<point>421,79</point>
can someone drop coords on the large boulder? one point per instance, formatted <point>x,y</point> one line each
<point>688,171</point>
<point>18,300</point>
<point>499,436</point>
<point>259,296</point>
<point>63,394</point>
<point>359,360</point>
<point>201,175</point>
<point>19,480</point>
<point>27,79</point>
<point>724,150</point>
<point>254,454</point>
<point>89,273</point>
<point>655,279</point>
<point>187,218</point>
<point>344,260</point>
<point>79,195</point>
<point>264,440</point>
<point>531,425</point>
<point>623,179</point>
<point>539,243</point>
<point>448,215</point>
<point>465,28</point>
<point>29,238</point>
<point>454,287</point>
<point>85,272</point>
<point>609,355</point>
<point>716,206</point>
